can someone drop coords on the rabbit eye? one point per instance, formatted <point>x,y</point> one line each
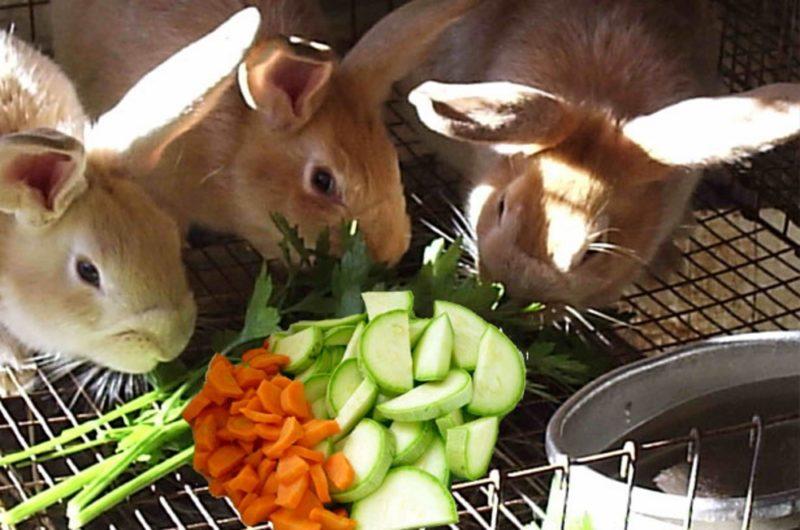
<point>323,182</point>
<point>88,272</point>
<point>501,207</point>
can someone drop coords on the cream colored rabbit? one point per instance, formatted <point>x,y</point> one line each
<point>307,140</point>
<point>589,134</point>
<point>90,267</point>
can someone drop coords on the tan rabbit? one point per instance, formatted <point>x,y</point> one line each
<point>588,134</point>
<point>304,139</point>
<point>90,267</point>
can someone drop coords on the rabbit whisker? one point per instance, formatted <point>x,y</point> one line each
<point>437,231</point>
<point>608,318</point>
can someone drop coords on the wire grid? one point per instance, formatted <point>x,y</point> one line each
<point>742,273</point>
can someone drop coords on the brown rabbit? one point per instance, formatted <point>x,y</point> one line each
<point>90,267</point>
<point>305,138</point>
<point>589,134</point>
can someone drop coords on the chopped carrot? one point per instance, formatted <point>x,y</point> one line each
<point>200,460</point>
<point>268,432</point>
<point>255,405</point>
<point>247,501</point>
<point>195,407</point>
<point>320,482</point>
<point>216,488</point>
<point>238,406</point>
<point>330,520</point>
<point>247,446</point>
<point>247,480</point>
<point>290,433</point>
<point>254,458</point>
<point>308,503</point>
<point>259,510</point>
<point>318,430</point>
<point>339,471</point>
<point>220,378</point>
<point>341,512</point>
<point>225,435</point>
<point>270,397</point>
<point>287,520</point>
<point>220,415</point>
<point>205,433</point>
<point>308,454</point>
<point>265,468</point>
<point>249,354</point>
<point>293,400</point>
<point>267,360</point>
<point>281,381</point>
<point>248,377</point>
<point>224,459</point>
<point>242,428</point>
<point>261,417</point>
<point>236,497</point>
<point>290,468</point>
<point>270,485</point>
<point>215,397</point>
<point>290,495</point>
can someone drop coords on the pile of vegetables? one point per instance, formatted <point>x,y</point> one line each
<point>146,438</point>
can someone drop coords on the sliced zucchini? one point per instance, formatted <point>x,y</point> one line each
<point>498,383</point>
<point>468,329</point>
<point>470,447</point>
<point>352,347</point>
<point>431,400</point>
<point>338,336</point>
<point>351,320</point>
<point>411,440</point>
<point>301,348</point>
<point>316,387</point>
<point>382,302</point>
<point>321,365</point>
<point>408,498</point>
<point>325,447</point>
<point>416,326</point>
<point>337,354</point>
<point>343,383</point>
<point>434,461</point>
<point>370,449</point>
<point>434,351</point>
<point>453,418</point>
<point>385,353</point>
<point>376,414</point>
<point>319,409</point>
<point>359,404</point>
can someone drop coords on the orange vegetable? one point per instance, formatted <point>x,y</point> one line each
<point>315,431</point>
<point>247,501</point>
<point>259,510</point>
<point>290,469</point>
<point>307,454</point>
<point>339,471</point>
<point>261,417</point>
<point>195,407</point>
<point>249,354</point>
<point>220,415</point>
<point>248,377</point>
<point>242,428</point>
<point>341,512</point>
<point>290,495</point>
<point>216,488</point>
<point>287,520</point>
<point>281,381</point>
<point>331,521</point>
<point>268,432</point>
<point>265,468</point>
<point>293,400</point>
<point>270,397</point>
<point>254,459</point>
<point>255,405</point>
<point>238,406</point>
<point>224,459</point>
<point>307,503</point>
<point>320,483</point>
<point>200,460</point>
<point>225,435</point>
<point>205,433</point>
<point>270,485</point>
<point>290,433</point>
<point>247,480</point>
<point>268,360</point>
<point>220,378</point>
<point>212,395</point>
<point>247,446</point>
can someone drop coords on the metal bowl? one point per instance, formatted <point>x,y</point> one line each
<point>604,412</point>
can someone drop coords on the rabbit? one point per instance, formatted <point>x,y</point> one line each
<point>303,136</point>
<point>587,125</point>
<point>90,266</point>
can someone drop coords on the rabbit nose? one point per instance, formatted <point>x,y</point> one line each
<point>391,240</point>
<point>170,329</point>
<point>567,238</point>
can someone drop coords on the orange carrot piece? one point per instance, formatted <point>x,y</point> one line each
<point>254,458</point>
<point>290,468</point>
<point>247,501</point>
<point>307,504</point>
<point>309,455</point>
<point>247,480</point>
<point>205,433</point>
<point>238,406</point>
<point>224,459</point>
<point>220,415</point>
<point>216,488</point>
<point>249,354</point>
<point>236,497</point>
<point>287,520</point>
<point>220,378</point>
<point>200,460</point>
<point>339,471</point>
<point>267,360</point>
<point>242,428</point>
<point>293,400</point>
<point>215,397</point>
<point>225,435</point>
<point>247,446</point>
<point>248,377</point>
<point>268,432</point>
<point>261,417</point>
<point>341,512</point>
<point>290,433</point>
<point>320,482</point>
<point>197,405</point>
<point>290,495</point>
<point>270,485</point>
<point>255,405</point>
<point>281,381</point>
<point>259,510</point>
<point>318,430</point>
<point>265,468</point>
<point>270,397</point>
<point>330,520</point>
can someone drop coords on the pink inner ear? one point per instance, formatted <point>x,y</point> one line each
<point>298,79</point>
<point>45,173</point>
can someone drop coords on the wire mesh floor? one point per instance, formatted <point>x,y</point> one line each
<point>741,272</point>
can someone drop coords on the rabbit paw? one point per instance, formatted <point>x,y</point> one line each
<point>16,370</point>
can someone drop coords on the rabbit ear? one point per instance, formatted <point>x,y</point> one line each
<point>704,132</point>
<point>174,96</point>
<point>509,117</point>
<point>41,174</point>
<point>399,43</point>
<point>286,80</point>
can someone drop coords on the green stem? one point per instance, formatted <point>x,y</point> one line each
<point>69,450</point>
<point>57,493</point>
<point>114,497</point>
<point>80,430</point>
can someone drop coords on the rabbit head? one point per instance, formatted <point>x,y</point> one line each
<point>317,150</point>
<point>91,268</point>
<point>579,203</point>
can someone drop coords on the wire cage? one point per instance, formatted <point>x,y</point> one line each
<point>741,273</point>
